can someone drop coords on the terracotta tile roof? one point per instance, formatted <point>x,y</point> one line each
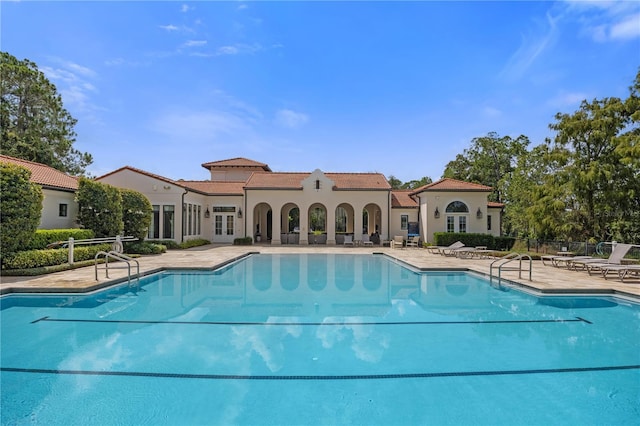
<point>43,175</point>
<point>453,185</point>
<point>495,204</point>
<point>214,188</point>
<point>402,198</point>
<point>343,181</point>
<point>238,162</point>
<point>142,172</point>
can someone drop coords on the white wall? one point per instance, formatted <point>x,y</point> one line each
<point>50,218</point>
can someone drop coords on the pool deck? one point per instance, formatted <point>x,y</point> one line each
<point>545,279</point>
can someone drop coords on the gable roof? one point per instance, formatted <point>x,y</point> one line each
<point>343,181</point>
<point>495,205</point>
<point>44,175</point>
<point>453,185</point>
<point>237,163</point>
<point>403,198</point>
<point>142,172</point>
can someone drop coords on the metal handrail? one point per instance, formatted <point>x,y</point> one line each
<point>508,259</point>
<point>116,256</point>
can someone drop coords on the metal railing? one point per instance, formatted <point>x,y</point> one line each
<point>116,243</point>
<point>499,264</point>
<point>117,257</point>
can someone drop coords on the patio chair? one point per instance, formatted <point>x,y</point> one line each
<point>448,251</point>
<point>366,241</point>
<point>413,241</point>
<point>615,258</point>
<point>397,242</point>
<point>622,270</point>
<point>348,240</point>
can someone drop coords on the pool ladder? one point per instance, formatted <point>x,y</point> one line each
<point>117,257</point>
<point>499,264</point>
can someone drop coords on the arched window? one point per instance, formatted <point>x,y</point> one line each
<point>457,207</point>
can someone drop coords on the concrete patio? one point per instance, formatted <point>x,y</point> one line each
<point>546,279</point>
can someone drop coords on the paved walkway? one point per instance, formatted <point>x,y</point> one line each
<point>544,278</point>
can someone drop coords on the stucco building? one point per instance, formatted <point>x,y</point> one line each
<point>244,197</point>
<point>59,208</point>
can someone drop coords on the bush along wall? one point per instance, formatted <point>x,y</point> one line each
<point>45,237</point>
<point>474,240</point>
<point>50,257</point>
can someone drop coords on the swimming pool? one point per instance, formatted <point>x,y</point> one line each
<point>318,339</point>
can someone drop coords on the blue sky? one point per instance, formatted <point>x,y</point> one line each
<point>399,88</point>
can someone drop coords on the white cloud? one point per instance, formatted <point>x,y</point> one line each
<point>532,47</point>
<point>185,8</point>
<point>169,27</point>
<point>194,43</point>
<point>197,126</point>
<point>74,84</point>
<point>627,28</point>
<point>567,99</point>
<point>291,119</point>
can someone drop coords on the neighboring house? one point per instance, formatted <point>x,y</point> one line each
<point>246,198</point>
<point>59,208</point>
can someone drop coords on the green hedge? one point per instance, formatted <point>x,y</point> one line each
<point>50,257</point>
<point>44,237</point>
<point>246,241</point>
<point>194,243</point>
<point>144,247</point>
<point>474,240</point>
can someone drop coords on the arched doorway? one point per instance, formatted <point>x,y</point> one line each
<point>290,224</point>
<point>457,216</point>
<point>262,224</point>
<point>317,216</point>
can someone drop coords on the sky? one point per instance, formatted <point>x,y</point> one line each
<point>398,88</point>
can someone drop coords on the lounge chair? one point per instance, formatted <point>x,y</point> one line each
<point>438,249</point>
<point>397,242</point>
<point>622,270</point>
<point>413,241</point>
<point>348,240</point>
<point>366,241</point>
<point>615,258</point>
<point>452,249</point>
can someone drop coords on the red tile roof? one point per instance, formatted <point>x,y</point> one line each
<point>401,198</point>
<point>453,185</point>
<point>43,175</point>
<point>214,188</point>
<point>239,162</point>
<point>343,181</point>
<point>495,204</point>
<point>142,172</point>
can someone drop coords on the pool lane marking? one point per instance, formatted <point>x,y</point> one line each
<point>47,319</point>
<point>322,377</point>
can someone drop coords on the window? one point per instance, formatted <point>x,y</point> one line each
<point>230,220</point>
<point>488,222</point>
<point>168,215</point>
<point>190,217</point>
<point>224,209</point>
<point>62,210</point>
<point>462,224</point>
<point>154,226</point>
<point>451,224</point>
<point>457,207</point>
<point>199,219</point>
<point>404,222</point>
<point>218,224</point>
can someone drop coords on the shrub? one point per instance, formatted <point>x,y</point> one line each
<point>21,207</point>
<point>169,244</point>
<point>145,247</point>
<point>100,208</point>
<point>136,213</point>
<point>470,240</point>
<point>246,241</point>
<point>44,237</point>
<point>193,243</point>
<point>49,257</point>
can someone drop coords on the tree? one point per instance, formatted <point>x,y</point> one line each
<point>136,213</point>
<point>415,184</point>
<point>21,206</point>
<point>394,182</point>
<point>34,124</point>
<point>490,161</point>
<point>99,208</point>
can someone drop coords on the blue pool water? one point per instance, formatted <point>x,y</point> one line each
<point>318,339</point>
